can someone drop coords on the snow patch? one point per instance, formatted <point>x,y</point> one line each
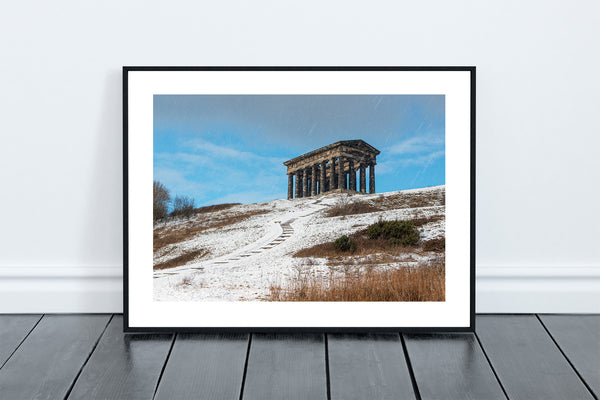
<point>248,257</point>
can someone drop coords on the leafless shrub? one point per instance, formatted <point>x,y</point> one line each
<point>183,207</point>
<point>161,200</point>
<point>186,281</point>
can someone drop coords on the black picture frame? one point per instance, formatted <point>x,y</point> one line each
<point>126,181</point>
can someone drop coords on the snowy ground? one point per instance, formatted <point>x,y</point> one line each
<point>248,257</point>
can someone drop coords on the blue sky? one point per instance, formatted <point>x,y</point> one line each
<point>230,148</point>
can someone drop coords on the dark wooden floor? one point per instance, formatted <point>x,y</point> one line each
<point>510,356</point>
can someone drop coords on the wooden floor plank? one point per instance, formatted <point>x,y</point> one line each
<point>286,366</point>
<point>451,366</point>
<point>526,360</point>
<point>46,364</point>
<point>368,366</point>
<point>579,338</point>
<point>13,329</point>
<point>123,366</point>
<point>208,366</point>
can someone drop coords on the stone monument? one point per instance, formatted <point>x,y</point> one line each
<point>332,168</point>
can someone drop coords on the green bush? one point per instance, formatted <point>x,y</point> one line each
<point>396,232</point>
<point>344,243</point>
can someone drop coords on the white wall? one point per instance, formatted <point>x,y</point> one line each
<point>538,129</point>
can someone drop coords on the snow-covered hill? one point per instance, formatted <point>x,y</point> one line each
<point>249,248</point>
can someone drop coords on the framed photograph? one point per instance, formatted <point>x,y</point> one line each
<point>299,198</point>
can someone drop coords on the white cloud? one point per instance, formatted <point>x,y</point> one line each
<point>422,159</point>
<point>419,150</point>
<point>396,164</point>
<point>417,144</point>
<point>213,173</point>
<point>188,158</point>
<point>386,167</point>
<point>218,151</point>
<point>177,183</point>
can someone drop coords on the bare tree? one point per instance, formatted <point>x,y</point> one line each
<point>162,198</point>
<point>183,206</point>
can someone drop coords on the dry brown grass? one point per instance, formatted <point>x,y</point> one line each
<point>366,246</point>
<point>165,236</point>
<point>411,200</point>
<point>424,220</point>
<point>438,245</point>
<point>180,260</point>
<point>351,208</point>
<point>424,283</point>
<point>216,207</point>
<point>398,255</point>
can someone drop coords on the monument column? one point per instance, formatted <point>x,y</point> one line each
<point>372,177</point>
<point>322,185</point>
<point>290,186</point>
<point>305,192</point>
<point>352,174</point>
<point>341,175</point>
<point>313,181</point>
<point>363,178</point>
<point>298,184</point>
<point>333,179</point>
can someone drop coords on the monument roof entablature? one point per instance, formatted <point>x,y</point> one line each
<point>358,149</point>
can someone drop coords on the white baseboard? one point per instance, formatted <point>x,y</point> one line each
<point>92,289</point>
<point>561,289</point>
<point>51,289</point>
